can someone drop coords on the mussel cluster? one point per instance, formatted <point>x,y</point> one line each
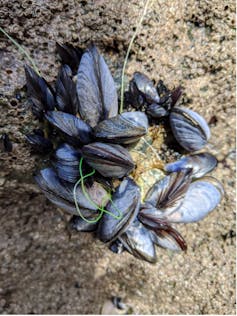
<point>90,164</point>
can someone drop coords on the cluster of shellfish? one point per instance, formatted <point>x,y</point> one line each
<point>90,164</point>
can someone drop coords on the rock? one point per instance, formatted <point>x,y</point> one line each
<point>186,43</point>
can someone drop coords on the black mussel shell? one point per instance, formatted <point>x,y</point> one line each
<point>149,210</point>
<point>168,239</point>
<point>146,87</point>
<point>138,241</point>
<point>78,131</point>
<point>124,128</point>
<point>96,89</point>
<point>68,154</point>
<point>126,201</point>
<point>142,91</point>
<point>166,236</point>
<point>40,93</point>
<point>202,197</point>
<point>109,160</point>
<point>66,163</point>
<point>176,95</point>
<point>157,111</point>
<point>162,89</point>
<point>189,128</point>
<point>168,99</point>
<point>134,96</point>
<point>200,164</point>
<point>168,193</point>
<point>66,94</point>
<point>69,173</point>
<point>70,55</point>
<point>61,193</point>
<point>39,143</point>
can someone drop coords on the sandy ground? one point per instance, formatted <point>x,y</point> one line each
<point>43,268</point>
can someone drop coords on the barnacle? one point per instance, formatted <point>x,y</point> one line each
<point>100,173</point>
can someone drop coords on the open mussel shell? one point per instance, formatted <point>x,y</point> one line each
<point>124,128</point>
<point>61,193</point>
<point>189,128</point>
<point>202,197</point>
<point>168,193</point>
<point>200,164</point>
<point>78,131</point>
<point>125,204</point>
<point>145,87</point>
<point>96,89</point>
<point>109,160</point>
<point>80,225</point>
<point>66,163</point>
<point>138,241</point>
<point>40,93</point>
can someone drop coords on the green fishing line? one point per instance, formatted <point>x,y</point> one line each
<point>90,200</point>
<point>87,196</point>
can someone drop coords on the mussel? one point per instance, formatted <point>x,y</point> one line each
<point>76,130</point>
<point>202,196</point>
<point>70,55</point>
<point>66,94</point>
<point>124,128</point>
<point>165,105</point>
<point>168,193</point>
<point>157,111</point>
<point>96,89</point>
<point>200,164</point>
<point>138,241</point>
<point>61,193</point>
<point>125,204</point>
<point>66,163</point>
<point>40,93</point>
<point>166,239</point>
<point>142,91</point>
<point>189,128</point>
<point>162,233</point>
<point>39,143</point>
<point>108,159</point>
